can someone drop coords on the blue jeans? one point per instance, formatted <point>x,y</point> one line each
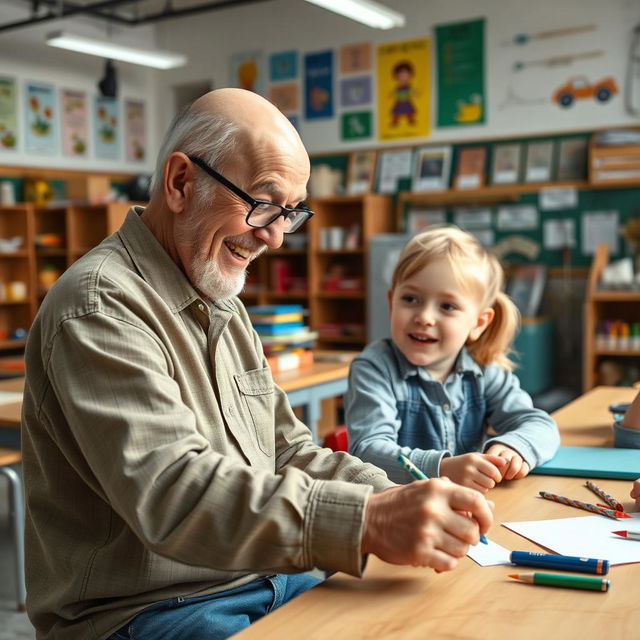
<point>216,616</point>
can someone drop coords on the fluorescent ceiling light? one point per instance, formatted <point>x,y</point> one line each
<point>366,11</point>
<point>147,57</point>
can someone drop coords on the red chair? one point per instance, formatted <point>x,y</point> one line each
<point>337,439</point>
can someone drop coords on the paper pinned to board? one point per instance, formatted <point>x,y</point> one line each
<point>585,536</point>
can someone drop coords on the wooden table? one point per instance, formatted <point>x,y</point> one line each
<point>474,602</point>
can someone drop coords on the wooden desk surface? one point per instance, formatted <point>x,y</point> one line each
<point>474,602</point>
<point>320,371</point>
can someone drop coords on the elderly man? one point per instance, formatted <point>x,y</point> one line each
<point>171,492</point>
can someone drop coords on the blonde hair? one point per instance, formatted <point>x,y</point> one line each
<point>460,249</point>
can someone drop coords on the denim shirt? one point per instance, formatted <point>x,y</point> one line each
<point>393,407</point>
<point>625,438</point>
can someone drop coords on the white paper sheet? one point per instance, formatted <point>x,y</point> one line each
<point>487,555</point>
<point>584,536</point>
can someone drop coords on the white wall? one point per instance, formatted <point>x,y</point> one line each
<point>24,55</point>
<point>280,25</point>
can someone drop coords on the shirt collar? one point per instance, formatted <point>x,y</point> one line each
<point>156,266</point>
<point>464,364</point>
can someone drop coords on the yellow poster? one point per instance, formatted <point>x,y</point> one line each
<point>404,106</point>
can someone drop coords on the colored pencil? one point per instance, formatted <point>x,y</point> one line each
<point>629,535</point>
<point>610,513</point>
<point>562,580</point>
<point>403,461</point>
<point>601,493</point>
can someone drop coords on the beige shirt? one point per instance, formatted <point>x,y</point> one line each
<point>160,459</point>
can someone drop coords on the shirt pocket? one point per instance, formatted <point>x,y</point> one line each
<point>256,396</point>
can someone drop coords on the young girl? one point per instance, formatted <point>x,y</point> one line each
<point>441,391</point>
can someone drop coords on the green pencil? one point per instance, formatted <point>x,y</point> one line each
<point>561,580</point>
<point>403,461</point>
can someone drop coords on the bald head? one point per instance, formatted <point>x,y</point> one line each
<point>228,122</point>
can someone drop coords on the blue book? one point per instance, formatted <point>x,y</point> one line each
<point>271,309</point>
<point>593,462</point>
<point>277,329</point>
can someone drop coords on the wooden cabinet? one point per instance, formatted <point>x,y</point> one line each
<point>328,276</point>
<point>52,238</point>
<point>614,306</point>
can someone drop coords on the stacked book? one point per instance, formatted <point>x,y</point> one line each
<point>286,340</point>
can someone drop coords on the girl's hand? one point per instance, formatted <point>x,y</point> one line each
<point>635,491</point>
<point>478,471</point>
<point>516,467</point>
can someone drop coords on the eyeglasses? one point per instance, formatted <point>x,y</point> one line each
<point>262,212</point>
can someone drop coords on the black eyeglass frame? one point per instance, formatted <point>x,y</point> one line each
<point>252,202</point>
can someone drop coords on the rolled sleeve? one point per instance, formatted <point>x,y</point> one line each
<point>625,438</point>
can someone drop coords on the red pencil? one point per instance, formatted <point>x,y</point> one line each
<point>630,535</point>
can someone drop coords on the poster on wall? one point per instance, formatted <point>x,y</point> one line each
<point>284,96</point>
<point>355,125</point>
<point>356,58</point>
<point>404,101</point>
<point>40,118</point>
<point>106,128</point>
<point>247,71</point>
<point>74,122</point>
<point>8,115</point>
<point>135,130</point>
<point>460,51</point>
<point>356,91</point>
<point>318,85</point>
<point>283,66</point>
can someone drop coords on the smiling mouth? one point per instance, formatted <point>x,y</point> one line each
<point>239,251</point>
<point>422,339</point>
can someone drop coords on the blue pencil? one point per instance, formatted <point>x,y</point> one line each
<point>403,461</point>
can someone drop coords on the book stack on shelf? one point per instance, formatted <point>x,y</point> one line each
<point>286,339</point>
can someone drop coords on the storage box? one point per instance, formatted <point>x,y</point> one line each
<point>88,189</point>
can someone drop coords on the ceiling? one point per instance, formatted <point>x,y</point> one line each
<point>121,12</point>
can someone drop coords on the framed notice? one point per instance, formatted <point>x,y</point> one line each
<point>431,169</point>
<point>539,161</point>
<point>506,165</point>
<point>572,159</point>
<point>362,165</point>
<point>471,168</point>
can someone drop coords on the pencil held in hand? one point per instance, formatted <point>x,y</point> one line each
<point>403,461</point>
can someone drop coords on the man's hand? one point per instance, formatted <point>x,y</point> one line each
<point>635,491</point>
<point>516,467</point>
<point>420,523</point>
<point>477,471</point>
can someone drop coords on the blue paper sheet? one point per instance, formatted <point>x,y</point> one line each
<point>593,462</point>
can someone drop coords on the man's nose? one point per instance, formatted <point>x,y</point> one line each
<point>271,235</point>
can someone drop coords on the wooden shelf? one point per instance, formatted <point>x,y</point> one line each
<point>82,227</point>
<point>604,305</point>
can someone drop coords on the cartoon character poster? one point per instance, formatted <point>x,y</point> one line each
<point>135,127</point>
<point>106,128</point>
<point>8,114</point>
<point>41,118</point>
<point>74,122</point>
<point>404,101</point>
<point>247,71</point>
<point>318,85</point>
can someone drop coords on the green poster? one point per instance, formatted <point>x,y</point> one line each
<point>460,49</point>
<point>356,125</point>
<point>8,107</point>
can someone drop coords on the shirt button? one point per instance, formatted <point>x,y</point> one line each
<point>201,307</point>
<point>446,406</point>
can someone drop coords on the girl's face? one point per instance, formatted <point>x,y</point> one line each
<point>433,316</point>
<point>403,76</point>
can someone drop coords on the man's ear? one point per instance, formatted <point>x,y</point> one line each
<point>485,318</point>
<point>177,181</point>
